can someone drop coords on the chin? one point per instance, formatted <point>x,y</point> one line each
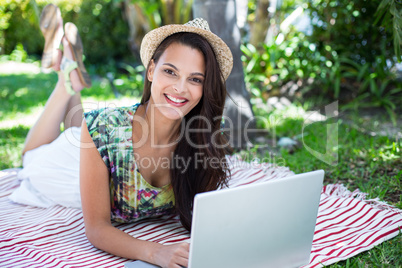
<point>172,113</point>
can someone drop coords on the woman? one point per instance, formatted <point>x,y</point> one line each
<point>134,162</point>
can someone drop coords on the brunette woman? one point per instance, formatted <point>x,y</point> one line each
<point>135,162</point>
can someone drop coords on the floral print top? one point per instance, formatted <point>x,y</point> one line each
<point>132,197</point>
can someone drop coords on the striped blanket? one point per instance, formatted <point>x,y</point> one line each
<point>347,224</point>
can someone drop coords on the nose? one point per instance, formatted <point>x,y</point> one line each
<point>180,86</point>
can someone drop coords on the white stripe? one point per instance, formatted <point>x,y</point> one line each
<point>366,246</point>
<point>58,233</point>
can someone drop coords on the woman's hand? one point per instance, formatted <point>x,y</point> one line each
<point>172,256</point>
<point>95,200</point>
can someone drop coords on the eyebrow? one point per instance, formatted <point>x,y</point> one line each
<point>174,67</point>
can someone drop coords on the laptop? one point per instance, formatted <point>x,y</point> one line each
<point>260,225</point>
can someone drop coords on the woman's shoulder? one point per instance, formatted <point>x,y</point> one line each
<point>117,116</point>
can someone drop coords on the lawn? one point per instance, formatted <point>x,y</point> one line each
<point>24,91</point>
<point>370,162</point>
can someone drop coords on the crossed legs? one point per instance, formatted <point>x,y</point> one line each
<point>61,107</point>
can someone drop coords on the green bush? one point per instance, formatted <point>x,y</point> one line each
<point>104,32</point>
<point>294,60</point>
<point>101,25</point>
<point>348,57</point>
<point>348,27</point>
<point>19,24</point>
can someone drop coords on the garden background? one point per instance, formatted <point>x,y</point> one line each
<point>298,57</point>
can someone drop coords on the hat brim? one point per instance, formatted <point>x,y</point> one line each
<point>152,40</point>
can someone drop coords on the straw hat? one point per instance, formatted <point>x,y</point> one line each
<point>199,26</point>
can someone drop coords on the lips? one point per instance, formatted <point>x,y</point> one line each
<point>176,101</point>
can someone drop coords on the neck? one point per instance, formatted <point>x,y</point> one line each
<point>162,130</point>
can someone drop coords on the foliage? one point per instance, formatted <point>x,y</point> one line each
<point>132,82</point>
<point>17,55</point>
<point>162,12</point>
<point>372,164</point>
<point>390,13</point>
<point>125,79</point>
<point>361,50</point>
<point>364,160</point>
<point>328,63</point>
<point>270,68</point>
<point>18,21</point>
<point>103,31</point>
<point>348,27</point>
<point>376,86</point>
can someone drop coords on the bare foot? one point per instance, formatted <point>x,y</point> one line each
<point>56,65</point>
<point>51,25</point>
<point>76,83</point>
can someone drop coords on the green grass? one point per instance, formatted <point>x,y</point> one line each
<point>20,93</point>
<point>11,145</point>
<point>371,163</point>
<point>387,254</point>
<point>23,96</point>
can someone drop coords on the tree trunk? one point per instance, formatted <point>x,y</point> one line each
<point>260,25</point>
<point>137,23</point>
<point>221,17</point>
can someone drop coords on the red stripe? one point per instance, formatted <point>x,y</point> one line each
<point>356,251</point>
<point>49,227</point>
<point>324,200</point>
<point>325,228</point>
<point>336,216</point>
<point>322,208</point>
<point>359,231</point>
<point>38,238</point>
<point>350,240</point>
<point>60,240</point>
<point>46,228</point>
<point>341,204</point>
<point>253,181</point>
<point>343,230</point>
<point>372,242</point>
<point>152,230</point>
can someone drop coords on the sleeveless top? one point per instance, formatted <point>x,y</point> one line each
<point>131,196</point>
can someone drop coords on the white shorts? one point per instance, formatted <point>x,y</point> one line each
<point>50,174</point>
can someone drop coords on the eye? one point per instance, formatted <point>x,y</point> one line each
<point>170,72</point>
<point>196,80</point>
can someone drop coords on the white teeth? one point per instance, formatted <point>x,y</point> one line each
<point>174,99</point>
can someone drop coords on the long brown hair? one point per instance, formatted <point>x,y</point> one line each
<point>207,169</point>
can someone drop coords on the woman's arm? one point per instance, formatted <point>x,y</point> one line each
<point>95,199</point>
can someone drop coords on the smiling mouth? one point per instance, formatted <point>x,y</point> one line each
<point>175,100</point>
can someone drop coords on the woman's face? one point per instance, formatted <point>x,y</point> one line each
<point>177,80</point>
